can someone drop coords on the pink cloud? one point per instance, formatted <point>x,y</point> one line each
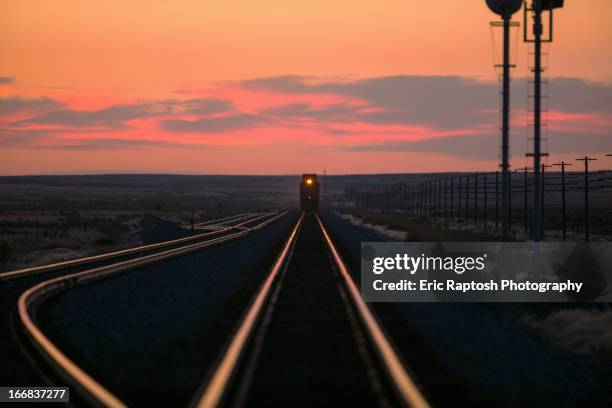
<point>378,117</point>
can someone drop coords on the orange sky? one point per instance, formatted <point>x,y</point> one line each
<point>126,60</point>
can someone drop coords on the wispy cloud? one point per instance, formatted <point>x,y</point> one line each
<point>4,80</point>
<point>338,112</point>
<point>115,116</point>
<point>212,124</point>
<point>198,106</point>
<point>49,122</point>
<point>111,117</point>
<point>290,84</point>
<point>442,102</point>
<point>116,143</point>
<point>439,102</point>
<point>448,115</point>
<point>21,104</point>
<point>52,139</point>
<point>486,146</point>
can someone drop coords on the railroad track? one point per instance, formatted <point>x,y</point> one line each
<point>22,288</point>
<point>309,339</point>
<point>306,328</point>
<point>217,227</point>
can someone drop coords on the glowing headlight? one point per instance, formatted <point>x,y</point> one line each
<point>309,181</point>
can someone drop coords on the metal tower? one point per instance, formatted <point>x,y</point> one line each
<point>505,8</point>
<point>535,11</point>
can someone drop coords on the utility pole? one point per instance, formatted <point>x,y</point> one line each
<point>496,200</point>
<point>476,199</point>
<point>424,199</point>
<point>396,197</point>
<point>525,190</point>
<point>563,205</point>
<point>439,194</point>
<point>509,202</point>
<point>451,197</point>
<point>459,200</point>
<point>484,184</point>
<point>384,199</point>
<point>586,161</point>
<point>432,190</point>
<point>409,200</point>
<point>431,201</point>
<point>467,199</point>
<point>445,197</point>
<point>417,200</point>
<point>544,166</point>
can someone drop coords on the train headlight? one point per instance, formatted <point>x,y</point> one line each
<point>309,181</point>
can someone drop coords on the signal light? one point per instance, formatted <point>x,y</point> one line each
<point>551,4</point>
<point>504,7</point>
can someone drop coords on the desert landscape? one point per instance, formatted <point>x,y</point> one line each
<point>45,219</point>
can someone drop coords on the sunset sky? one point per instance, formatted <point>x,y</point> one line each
<point>284,87</point>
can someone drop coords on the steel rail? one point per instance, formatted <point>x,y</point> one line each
<point>221,222</point>
<point>259,215</point>
<point>71,372</point>
<point>253,219</point>
<point>216,221</point>
<point>22,273</point>
<point>220,379</point>
<point>405,386</point>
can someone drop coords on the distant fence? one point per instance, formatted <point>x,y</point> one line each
<point>572,204</point>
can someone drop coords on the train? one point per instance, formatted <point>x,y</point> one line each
<point>309,192</point>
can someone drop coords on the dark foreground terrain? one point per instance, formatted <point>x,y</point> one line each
<point>153,335</point>
<point>486,355</point>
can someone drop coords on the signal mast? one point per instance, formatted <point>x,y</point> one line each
<point>536,10</point>
<point>505,8</point>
